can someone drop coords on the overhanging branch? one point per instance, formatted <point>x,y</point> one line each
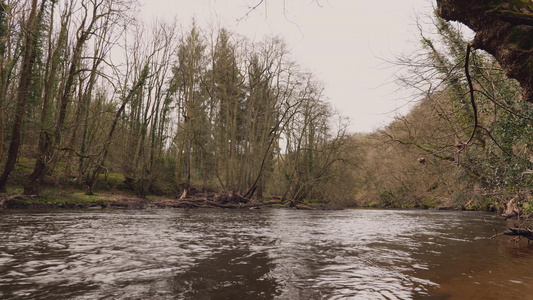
<point>471,88</point>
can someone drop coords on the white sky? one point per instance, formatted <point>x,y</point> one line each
<point>343,42</point>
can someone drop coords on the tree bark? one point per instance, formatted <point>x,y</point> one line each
<point>503,29</point>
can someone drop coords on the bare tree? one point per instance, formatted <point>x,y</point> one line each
<point>95,17</point>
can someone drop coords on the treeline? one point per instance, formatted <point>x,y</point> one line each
<point>88,90</point>
<point>461,146</point>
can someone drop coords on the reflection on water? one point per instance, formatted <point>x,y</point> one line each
<point>231,274</point>
<point>265,254</point>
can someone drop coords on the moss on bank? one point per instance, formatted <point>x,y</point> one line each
<point>51,199</point>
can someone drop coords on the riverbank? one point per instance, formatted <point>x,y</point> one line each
<point>72,198</point>
<point>120,200</point>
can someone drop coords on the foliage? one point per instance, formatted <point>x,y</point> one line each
<point>429,157</point>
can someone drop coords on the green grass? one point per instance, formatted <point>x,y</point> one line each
<point>118,177</point>
<point>59,198</point>
<point>14,190</point>
<point>69,197</point>
<point>25,163</point>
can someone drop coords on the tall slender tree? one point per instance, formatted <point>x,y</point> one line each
<point>187,77</point>
<point>32,34</point>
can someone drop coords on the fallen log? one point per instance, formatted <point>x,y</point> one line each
<point>523,232</point>
<point>234,206</point>
<point>231,199</point>
<point>225,201</point>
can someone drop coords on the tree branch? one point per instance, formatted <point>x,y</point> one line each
<point>471,87</point>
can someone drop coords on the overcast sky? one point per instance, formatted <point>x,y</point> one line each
<point>343,42</point>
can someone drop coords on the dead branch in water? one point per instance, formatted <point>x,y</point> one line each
<point>520,232</point>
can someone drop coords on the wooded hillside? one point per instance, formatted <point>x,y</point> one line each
<point>466,144</point>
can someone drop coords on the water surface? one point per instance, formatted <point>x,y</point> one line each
<point>260,254</point>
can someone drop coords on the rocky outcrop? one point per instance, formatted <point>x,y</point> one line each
<point>504,28</point>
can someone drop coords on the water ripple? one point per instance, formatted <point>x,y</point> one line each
<point>266,254</point>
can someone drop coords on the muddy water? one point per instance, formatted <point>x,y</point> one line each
<point>263,254</point>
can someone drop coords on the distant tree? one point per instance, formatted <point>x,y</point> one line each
<point>149,110</point>
<point>187,77</point>
<point>133,92</point>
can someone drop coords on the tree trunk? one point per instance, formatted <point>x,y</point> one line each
<point>41,167</point>
<point>30,38</point>
<point>503,30</point>
<point>52,65</point>
<point>4,81</point>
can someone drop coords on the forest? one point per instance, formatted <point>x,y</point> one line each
<point>94,100</point>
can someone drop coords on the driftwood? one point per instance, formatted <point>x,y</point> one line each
<point>231,199</point>
<point>511,207</point>
<point>520,232</point>
<point>225,201</point>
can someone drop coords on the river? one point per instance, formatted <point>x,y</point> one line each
<point>260,254</point>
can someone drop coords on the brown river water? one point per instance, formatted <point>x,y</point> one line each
<point>260,254</point>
